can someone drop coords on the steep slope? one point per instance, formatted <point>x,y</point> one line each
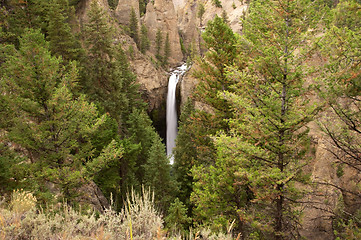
<point>161,15</point>
<point>122,12</point>
<point>180,19</point>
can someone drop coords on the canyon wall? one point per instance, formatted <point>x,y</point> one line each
<point>180,19</point>
<point>161,15</point>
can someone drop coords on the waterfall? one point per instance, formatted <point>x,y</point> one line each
<point>172,109</point>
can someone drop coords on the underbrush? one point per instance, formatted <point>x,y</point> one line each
<point>138,220</point>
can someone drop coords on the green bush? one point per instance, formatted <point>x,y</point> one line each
<point>217,3</point>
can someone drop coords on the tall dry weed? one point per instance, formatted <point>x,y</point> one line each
<point>138,220</point>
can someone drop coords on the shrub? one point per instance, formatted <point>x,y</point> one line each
<point>22,201</point>
<point>217,3</point>
<point>138,218</point>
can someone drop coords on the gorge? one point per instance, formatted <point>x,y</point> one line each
<point>95,100</point>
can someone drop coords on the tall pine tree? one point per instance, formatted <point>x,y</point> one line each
<point>52,126</point>
<point>268,133</point>
<point>59,33</point>
<point>133,27</point>
<point>341,89</point>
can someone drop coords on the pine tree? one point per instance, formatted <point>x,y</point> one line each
<point>177,219</point>
<point>133,27</point>
<point>61,39</point>
<point>225,17</point>
<point>5,34</point>
<point>217,3</point>
<point>157,174</point>
<point>185,153</point>
<point>200,13</point>
<point>26,14</point>
<point>166,51</point>
<point>111,84</point>
<point>143,6</point>
<point>195,148</point>
<point>144,40</point>
<point>268,133</point>
<point>52,125</point>
<point>341,88</point>
<point>113,3</point>
<point>158,45</point>
<point>342,82</point>
<point>101,69</point>
<point>220,40</point>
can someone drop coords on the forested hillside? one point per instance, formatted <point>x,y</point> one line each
<point>271,102</point>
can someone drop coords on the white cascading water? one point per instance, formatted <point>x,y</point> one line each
<point>172,109</point>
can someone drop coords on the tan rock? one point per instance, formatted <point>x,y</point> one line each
<point>234,14</point>
<point>321,200</point>
<point>161,15</point>
<point>91,194</point>
<point>153,82</point>
<point>123,10</point>
<point>84,6</point>
<point>187,85</point>
<point>189,25</point>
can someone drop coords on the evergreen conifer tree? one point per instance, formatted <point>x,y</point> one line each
<point>61,39</point>
<point>26,14</point>
<point>221,44</point>
<point>102,70</point>
<point>158,45</point>
<point>166,51</point>
<point>200,13</point>
<point>133,27</point>
<point>341,88</point>
<point>185,153</point>
<point>143,6</point>
<point>157,174</point>
<point>177,219</point>
<point>268,133</point>
<point>144,40</point>
<point>52,125</point>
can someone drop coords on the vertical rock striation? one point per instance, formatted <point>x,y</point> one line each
<point>161,14</point>
<point>122,12</point>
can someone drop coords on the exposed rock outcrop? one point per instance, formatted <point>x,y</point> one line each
<point>179,18</point>
<point>124,8</point>
<point>153,82</point>
<point>233,8</point>
<point>84,7</point>
<point>188,24</point>
<point>91,194</point>
<point>190,27</point>
<point>161,15</point>
<point>321,199</point>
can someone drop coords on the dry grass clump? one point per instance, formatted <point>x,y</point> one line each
<point>141,216</point>
<point>139,220</point>
<point>22,201</point>
<point>204,234</point>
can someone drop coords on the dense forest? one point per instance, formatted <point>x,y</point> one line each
<point>80,157</point>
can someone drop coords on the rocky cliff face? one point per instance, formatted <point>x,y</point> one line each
<point>152,80</point>
<point>234,10</point>
<point>179,18</point>
<point>124,8</point>
<point>84,6</point>
<point>160,14</point>
<point>191,25</point>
